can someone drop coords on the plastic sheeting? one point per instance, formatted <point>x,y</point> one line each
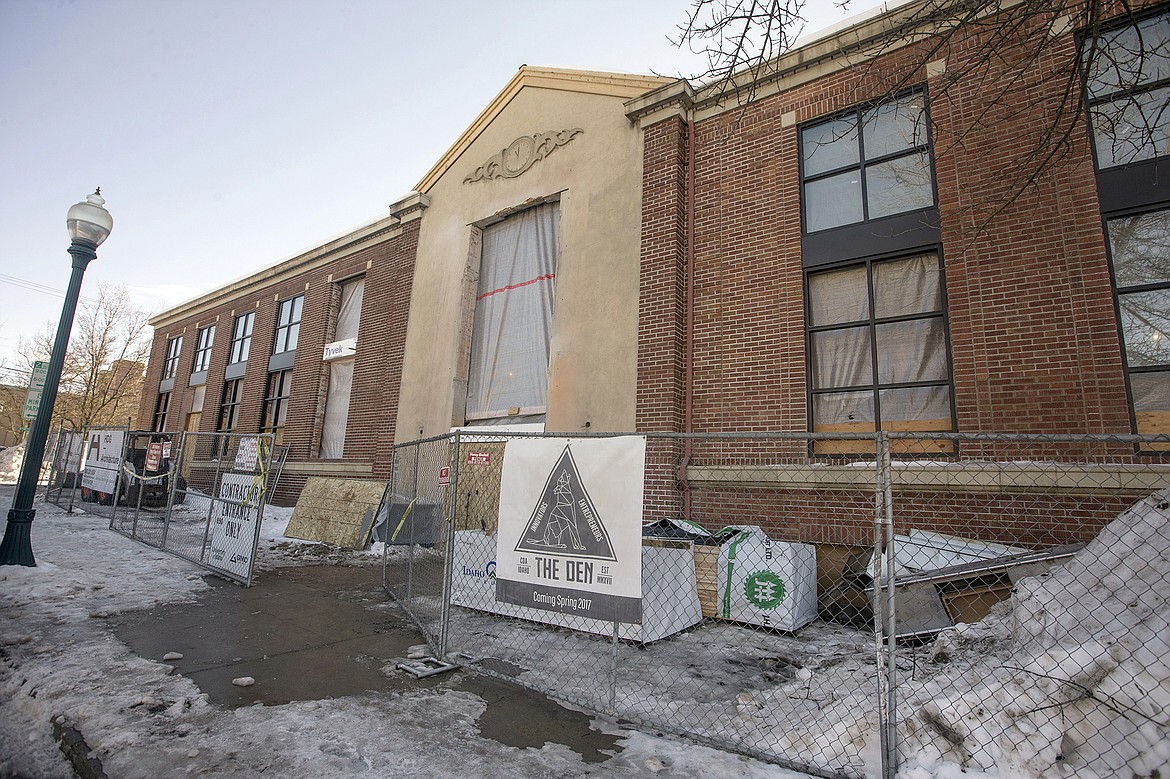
<point>910,350</point>
<point>513,314</point>
<point>341,373</point>
<point>350,312</point>
<point>336,410</point>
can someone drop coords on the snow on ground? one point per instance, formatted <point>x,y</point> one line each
<point>1073,679</point>
<point>10,460</point>
<point>142,720</point>
<point>1069,679</point>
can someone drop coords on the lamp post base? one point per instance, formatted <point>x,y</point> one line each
<point>16,548</point>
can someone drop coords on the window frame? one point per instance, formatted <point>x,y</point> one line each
<point>227,419</point>
<point>875,387</point>
<point>1118,293</point>
<point>1092,101</point>
<point>162,407</point>
<point>274,410</point>
<point>288,331</point>
<point>204,341</point>
<point>241,344</point>
<point>171,359</point>
<point>858,113</point>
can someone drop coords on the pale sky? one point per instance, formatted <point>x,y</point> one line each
<point>228,135</point>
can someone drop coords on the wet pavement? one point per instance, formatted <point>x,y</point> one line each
<point>317,632</point>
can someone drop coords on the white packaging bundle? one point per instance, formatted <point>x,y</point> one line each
<point>766,582</point>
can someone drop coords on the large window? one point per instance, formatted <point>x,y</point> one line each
<point>241,338</point>
<point>171,361</point>
<point>203,344</point>
<point>1128,82</point>
<point>878,349</point>
<point>336,420</point>
<point>288,324</point>
<point>161,408</point>
<point>869,163</point>
<point>508,375</point>
<point>1140,247</point>
<point>229,414</point>
<point>229,406</point>
<point>276,397</point>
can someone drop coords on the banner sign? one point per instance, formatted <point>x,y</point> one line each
<point>154,457</point>
<point>248,454</point>
<point>570,532</point>
<point>233,531</point>
<point>103,460</point>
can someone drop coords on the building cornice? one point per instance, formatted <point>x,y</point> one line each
<point>876,33</point>
<point>622,85</point>
<point>331,251</point>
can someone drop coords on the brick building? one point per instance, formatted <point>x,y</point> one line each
<point>846,251</point>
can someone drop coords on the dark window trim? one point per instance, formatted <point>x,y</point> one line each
<point>1117,293</point>
<point>1136,186</point>
<point>862,163</point>
<point>898,234</point>
<point>282,361</point>
<point>239,340</point>
<point>279,344</point>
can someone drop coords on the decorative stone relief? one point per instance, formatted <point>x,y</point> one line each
<point>522,154</point>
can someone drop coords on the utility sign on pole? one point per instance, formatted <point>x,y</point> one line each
<point>36,385</point>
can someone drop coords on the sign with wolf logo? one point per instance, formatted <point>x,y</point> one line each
<point>570,532</point>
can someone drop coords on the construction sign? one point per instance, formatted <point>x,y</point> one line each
<point>103,460</point>
<point>570,532</point>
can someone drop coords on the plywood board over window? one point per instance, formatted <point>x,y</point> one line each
<point>336,511</point>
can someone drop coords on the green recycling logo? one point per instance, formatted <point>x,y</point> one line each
<point>764,589</point>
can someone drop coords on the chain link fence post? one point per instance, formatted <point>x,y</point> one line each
<point>452,515</point>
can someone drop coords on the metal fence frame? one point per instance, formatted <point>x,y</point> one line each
<point>901,473</point>
<point>64,480</point>
<point>188,532</point>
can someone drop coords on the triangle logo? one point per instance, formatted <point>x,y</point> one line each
<point>565,521</point>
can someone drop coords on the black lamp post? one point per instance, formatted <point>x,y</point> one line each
<point>88,224</point>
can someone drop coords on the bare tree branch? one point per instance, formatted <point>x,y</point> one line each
<point>1004,60</point>
<point>101,379</point>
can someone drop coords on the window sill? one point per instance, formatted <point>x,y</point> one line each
<point>929,476</point>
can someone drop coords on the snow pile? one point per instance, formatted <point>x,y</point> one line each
<point>1083,689</point>
<point>10,461</point>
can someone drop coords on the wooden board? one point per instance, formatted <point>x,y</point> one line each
<point>707,578</point>
<point>336,511</point>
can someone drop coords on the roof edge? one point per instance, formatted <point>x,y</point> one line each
<point>623,85</point>
<point>329,251</point>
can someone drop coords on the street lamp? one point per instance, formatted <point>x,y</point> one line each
<point>88,224</point>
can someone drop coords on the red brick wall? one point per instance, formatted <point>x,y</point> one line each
<point>388,268</point>
<point>1034,340</point>
<point>1033,334</point>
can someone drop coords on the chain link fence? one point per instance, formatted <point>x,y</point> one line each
<point>64,479</point>
<point>841,605</point>
<point>199,496</point>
